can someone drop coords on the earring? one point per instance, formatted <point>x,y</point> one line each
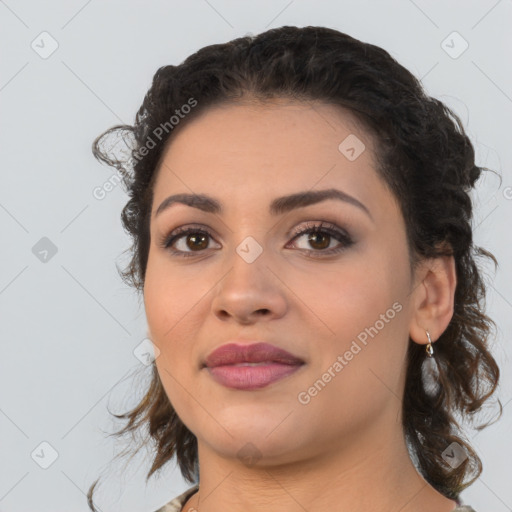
<point>429,348</point>
<point>430,371</point>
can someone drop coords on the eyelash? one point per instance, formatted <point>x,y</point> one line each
<point>322,227</point>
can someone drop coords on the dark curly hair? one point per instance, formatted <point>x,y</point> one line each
<point>425,158</point>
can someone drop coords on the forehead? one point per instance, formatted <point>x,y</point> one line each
<point>268,128</point>
<point>243,150</point>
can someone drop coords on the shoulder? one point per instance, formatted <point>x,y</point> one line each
<point>176,504</point>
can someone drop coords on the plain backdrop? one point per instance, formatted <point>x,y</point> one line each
<point>69,326</point>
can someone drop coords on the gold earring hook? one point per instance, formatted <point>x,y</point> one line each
<point>429,349</point>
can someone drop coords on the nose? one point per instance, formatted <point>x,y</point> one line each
<point>249,292</point>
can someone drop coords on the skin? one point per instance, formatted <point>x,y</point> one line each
<point>346,446</point>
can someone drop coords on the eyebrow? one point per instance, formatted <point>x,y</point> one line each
<point>278,206</point>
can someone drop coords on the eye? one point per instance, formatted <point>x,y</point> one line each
<point>196,240</point>
<point>320,237</point>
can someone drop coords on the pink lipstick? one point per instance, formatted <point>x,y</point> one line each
<point>252,366</point>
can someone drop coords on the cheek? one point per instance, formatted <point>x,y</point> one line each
<point>175,306</point>
<point>164,310</point>
<point>363,306</point>
<point>353,295</point>
<point>166,299</point>
<point>369,337</point>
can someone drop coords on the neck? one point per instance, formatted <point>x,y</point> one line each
<point>371,472</point>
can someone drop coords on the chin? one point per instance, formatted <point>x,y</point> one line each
<point>260,443</point>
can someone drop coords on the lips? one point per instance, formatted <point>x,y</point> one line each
<point>233,353</point>
<point>250,367</point>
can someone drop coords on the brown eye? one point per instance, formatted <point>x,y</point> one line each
<point>197,241</point>
<point>320,237</point>
<point>187,241</point>
<point>191,241</point>
<point>317,238</point>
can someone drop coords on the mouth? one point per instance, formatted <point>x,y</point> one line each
<point>252,375</point>
<point>248,367</point>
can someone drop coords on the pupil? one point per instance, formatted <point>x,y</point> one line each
<point>195,238</point>
<point>314,235</point>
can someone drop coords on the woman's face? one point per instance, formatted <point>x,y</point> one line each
<point>340,304</point>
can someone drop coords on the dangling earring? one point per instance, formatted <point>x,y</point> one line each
<point>429,348</point>
<point>430,370</point>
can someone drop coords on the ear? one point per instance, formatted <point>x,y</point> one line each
<point>433,298</point>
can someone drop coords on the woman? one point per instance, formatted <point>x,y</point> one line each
<point>300,215</point>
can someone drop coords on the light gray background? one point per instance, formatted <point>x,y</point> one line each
<point>69,325</point>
